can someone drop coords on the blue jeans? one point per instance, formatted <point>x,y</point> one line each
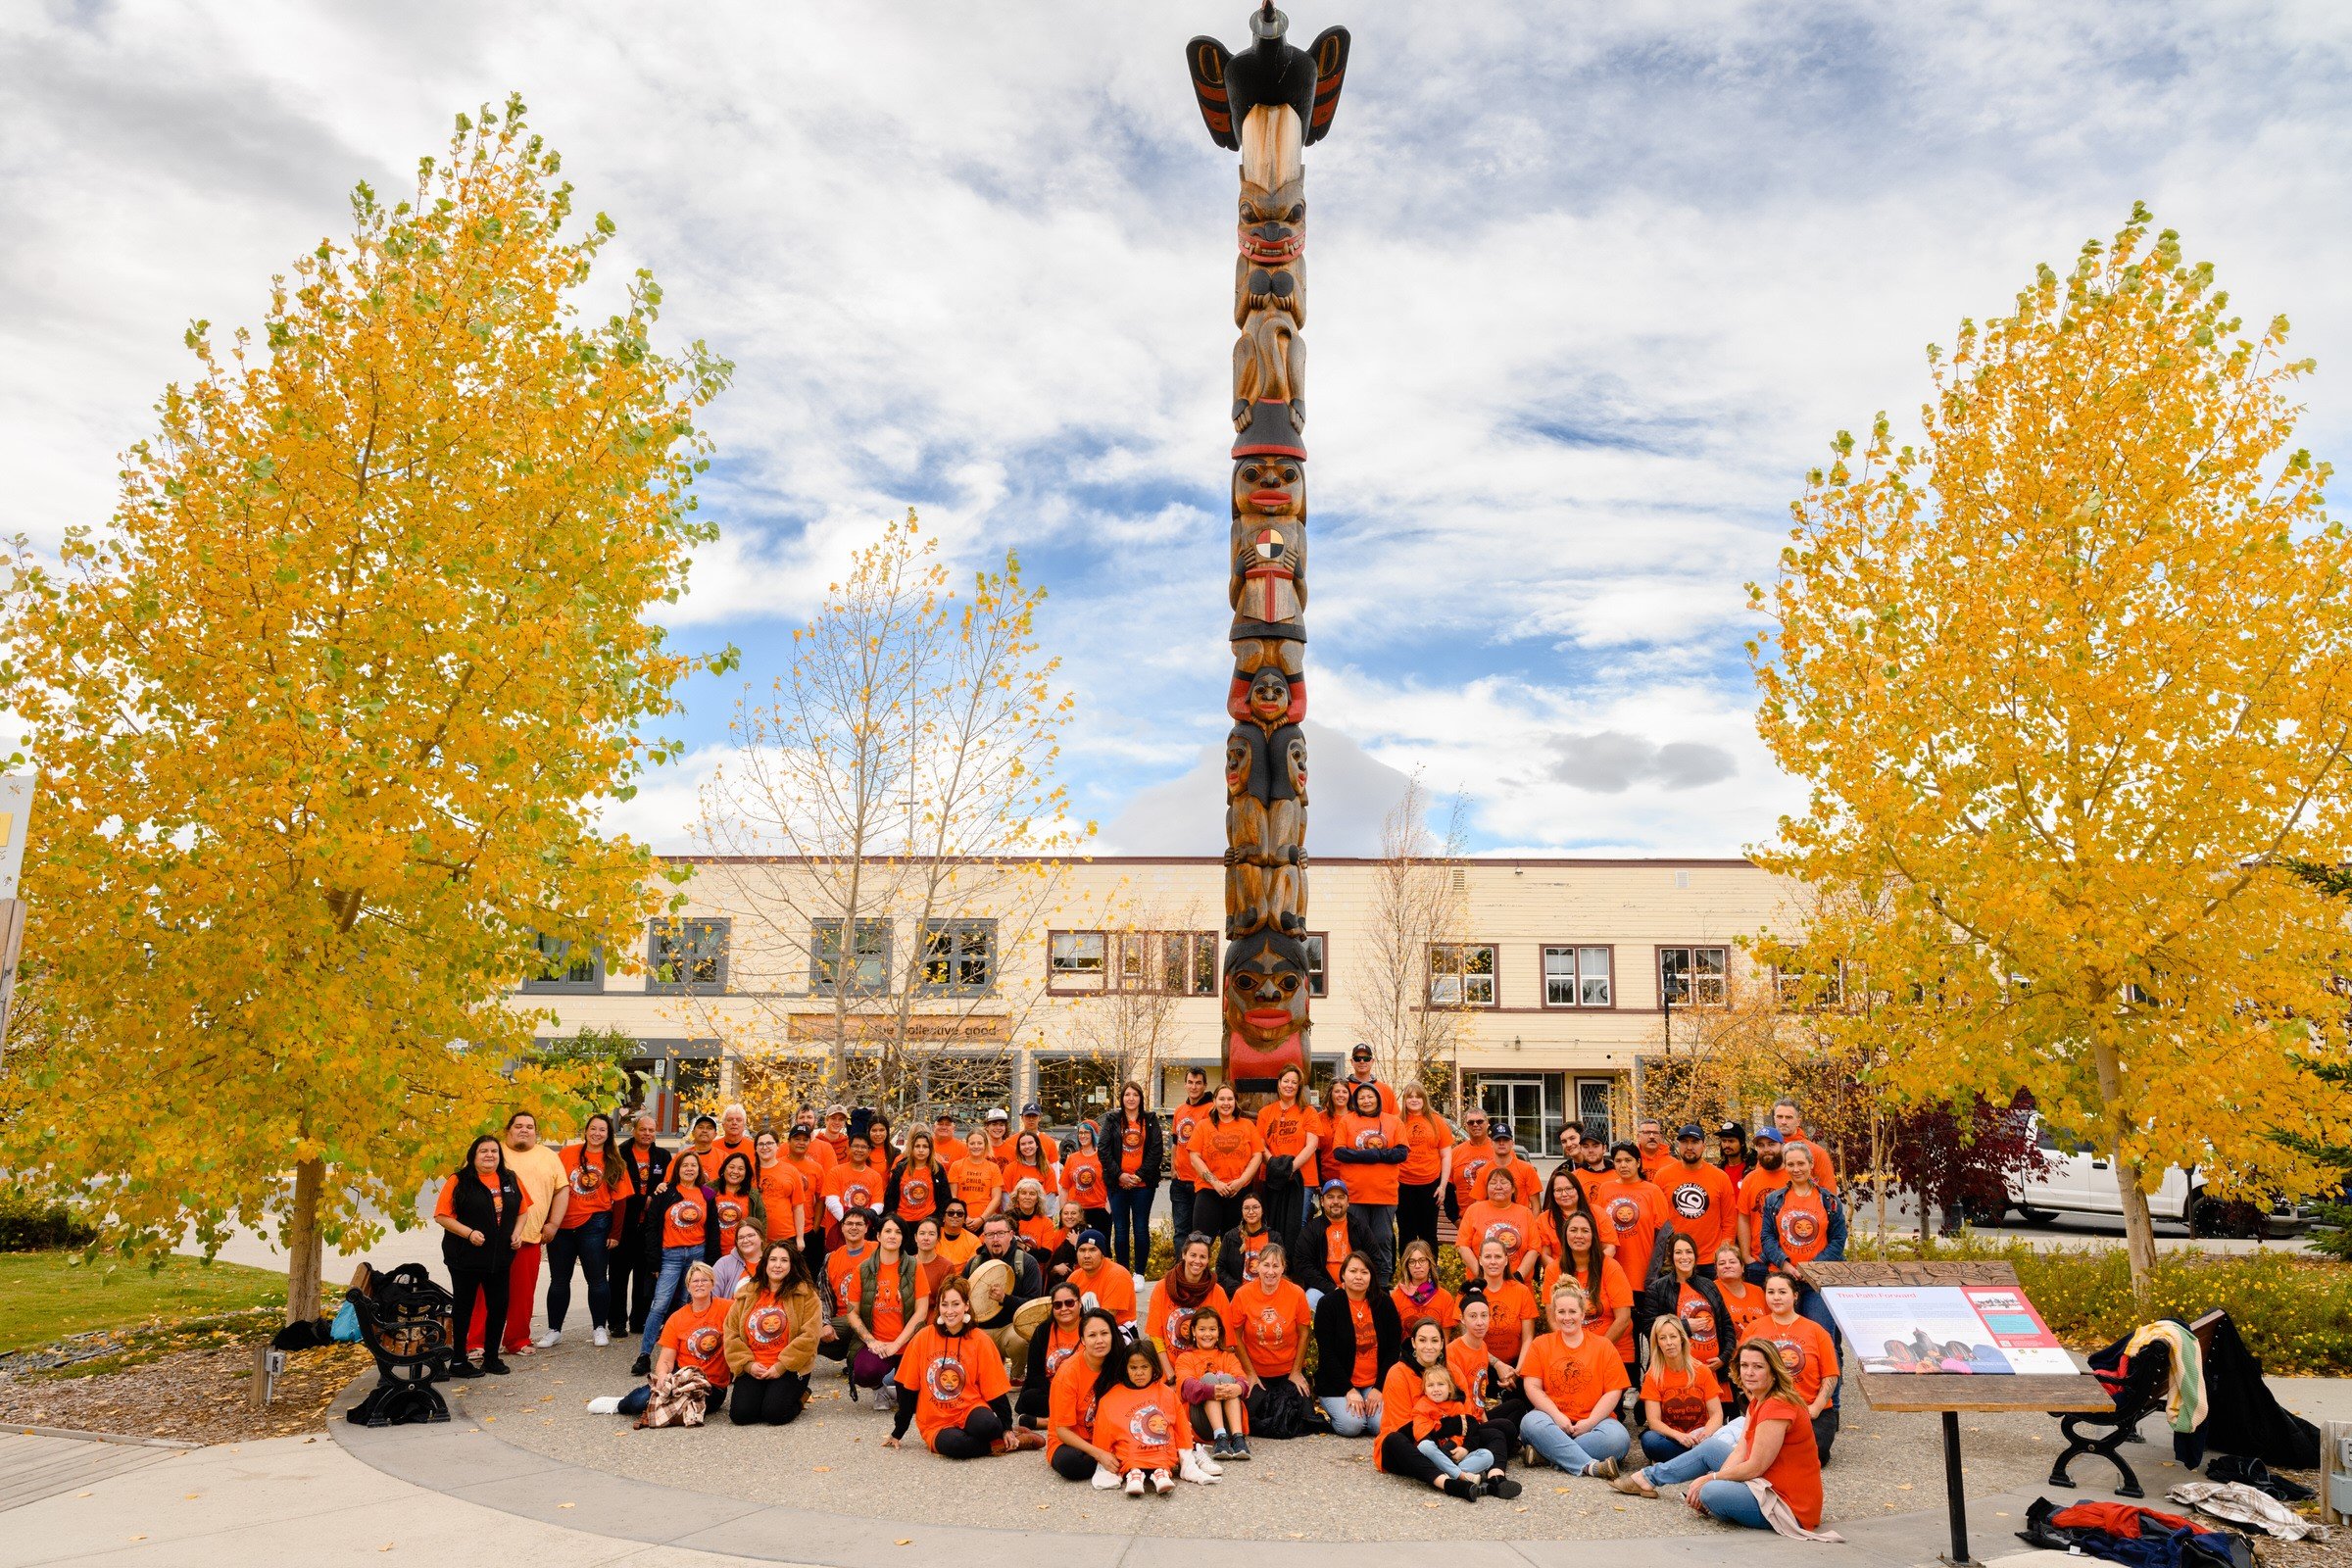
<point>584,1245</point>
<point>1695,1462</point>
<point>1607,1441</point>
<point>1658,1448</point>
<point>1346,1425</point>
<point>1131,1227</point>
<point>1476,1461</point>
<point>1731,1503</point>
<point>669,1289</point>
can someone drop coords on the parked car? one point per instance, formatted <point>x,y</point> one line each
<point>2079,1180</point>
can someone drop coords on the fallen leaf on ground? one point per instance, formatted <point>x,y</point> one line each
<point>904,1541</point>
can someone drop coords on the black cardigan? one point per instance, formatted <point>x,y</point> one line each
<point>1335,1340</point>
<point>1231,1259</point>
<point>939,1192</point>
<point>1109,1144</point>
<point>469,1204</point>
<point>1311,1257</point>
<point>1659,1301</point>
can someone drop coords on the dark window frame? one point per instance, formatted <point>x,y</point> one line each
<point>1103,977</point>
<point>1494,976</point>
<point>820,985</point>
<point>1691,949</point>
<point>960,929</point>
<point>546,985</point>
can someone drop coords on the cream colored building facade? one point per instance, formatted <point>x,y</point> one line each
<point>1563,976</point>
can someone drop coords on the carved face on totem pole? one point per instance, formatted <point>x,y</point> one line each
<point>1256,657</point>
<point>1293,758</point>
<point>1270,700</point>
<point>1237,765</point>
<point>1265,1005</point>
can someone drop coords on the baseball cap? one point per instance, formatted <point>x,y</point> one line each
<point>1033,1108</point>
<point>833,1111</point>
<point>1730,1129</point>
<point>1335,1185</point>
<point>997,1114</point>
<point>1361,1052</point>
<point>796,1130</point>
<point>1768,1134</point>
<point>1691,1129</point>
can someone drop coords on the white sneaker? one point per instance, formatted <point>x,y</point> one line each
<point>601,1339</point>
<point>1162,1483</point>
<point>1196,1467</point>
<point>549,1340</point>
<point>1105,1479</point>
<point>1135,1482</point>
<point>605,1404</point>
<point>886,1394</point>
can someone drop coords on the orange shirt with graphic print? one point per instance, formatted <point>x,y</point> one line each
<point>1575,1376</point>
<point>591,1194</point>
<point>1270,1328</point>
<point>697,1338</point>
<point>1284,1130</point>
<point>953,1375</point>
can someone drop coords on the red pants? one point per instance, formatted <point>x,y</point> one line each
<point>522,1292</point>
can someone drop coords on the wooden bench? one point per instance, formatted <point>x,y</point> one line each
<point>405,1321</point>
<point>2139,1394</point>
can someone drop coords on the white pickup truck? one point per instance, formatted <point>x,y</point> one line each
<point>2082,1180</point>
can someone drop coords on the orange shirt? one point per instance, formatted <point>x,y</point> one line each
<point>1653,1164</point>
<point>1526,1185</point>
<point>766,1328</point>
<point>841,1271</point>
<point>1083,1181</point>
<point>1615,1292</point>
<point>977,1182</point>
<point>1112,1287</point>
<point>1039,1232</point>
<point>1367,1183</point>
<point>1139,1426</point>
<point>1471,1159</point>
<point>591,1194</point>
<point>1706,1335</point>
<point>960,1248</point>
<point>1806,1349</point>
<point>783,1189</point>
<point>1575,1376</point>
<point>1398,1392</point>
<point>1473,1373</point>
<point>886,1314</point>
<point>1795,1471</point>
<point>1131,1148</point>
<point>1172,1325</point>
<point>1636,1209</point>
<point>1180,1122</point>
<point>1508,1223</point>
<point>683,1222</point>
<point>734,1210</point>
<point>1226,1147</point>
<point>446,1205</point>
<point>1047,1177</point>
<point>1206,1364</point>
<point>1512,1307</point>
<point>1703,1201</point>
<point>1804,1225</point>
<point>1754,1187</point>
<point>1000,1150</point>
<point>953,1375</point>
<point>855,1186</point>
<point>825,1152</point>
<point>1336,1249</point>
<point>1270,1328</point>
<point>1549,1240</point>
<point>1745,1304</point>
<point>1428,1136</point>
<point>699,1339</point>
<point>1367,1348</point>
<point>1825,1174</point>
<point>1681,1396</point>
<point>1284,1129</point>
<point>1070,1402</point>
<point>918,1193</point>
<point>1441,1310</point>
<point>1061,1345</point>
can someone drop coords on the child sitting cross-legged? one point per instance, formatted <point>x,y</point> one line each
<point>1208,1379</point>
<point>1440,1424</point>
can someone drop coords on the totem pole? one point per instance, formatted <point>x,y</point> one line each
<point>1269,103</point>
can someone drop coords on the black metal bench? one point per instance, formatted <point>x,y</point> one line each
<point>2139,1392</point>
<point>405,1321</point>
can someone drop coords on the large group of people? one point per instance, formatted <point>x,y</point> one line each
<point>991,1289</point>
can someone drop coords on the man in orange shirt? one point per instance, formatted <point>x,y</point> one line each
<point>1650,1136</point>
<point>1787,1119</point>
<point>1769,1177</point>
<point>1524,1181</point>
<point>1180,1134</point>
<point>1102,1283</point>
<point>835,1134</point>
<point>1470,1158</point>
<point>852,1184</point>
<point>1705,1208</point>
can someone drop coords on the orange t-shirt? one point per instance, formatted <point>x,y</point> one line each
<point>1139,1426</point>
<point>1204,1364</point>
<point>783,1188</point>
<point>446,1205</point>
<point>1367,1183</point>
<point>1039,1232</point>
<point>1699,1320</point>
<point>953,1375</point>
<point>1336,1249</point>
<point>826,1150</point>
<point>591,1194</point>
<point>1180,1122</point>
<point>886,1314</point>
<point>1575,1376</point>
<point>767,1328</point>
<point>1070,1401</point>
<point>841,1271</point>
<point>1825,1174</point>
<point>1112,1286</point>
<point>1549,1240</point>
<point>1754,1187</point>
<point>1059,1346</point>
<point>1428,1137</point>
<point>977,1182</point>
<point>1398,1392</point>
<point>1473,1373</point>
<point>1795,1471</point>
<point>1508,1223</point>
<point>1636,1209</point>
<point>1226,1147</point>
<point>918,1193</point>
<point>1367,1345</point>
<point>1806,1349</point>
<point>1615,1292</point>
<point>1284,1129</point>
<point>1441,1310</point>
<point>1702,1202</point>
<point>1510,1308</point>
<point>1172,1325</point>
<point>1000,1150</point>
<point>1472,1158</point>
<point>1745,1304</point>
<point>1047,1177</point>
<point>1654,1162</point>
<point>1526,1185</point>
<point>1083,1182</point>
<point>1681,1396</point>
<point>1804,1225</point>
<point>1269,1329</point>
<point>855,1186</point>
<point>683,1222</point>
<point>699,1339</point>
<point>1131,1148</point>
<point>734,1210</point>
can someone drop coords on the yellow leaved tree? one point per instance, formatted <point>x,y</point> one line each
<point>322,716</point>
<point>2069,682</point>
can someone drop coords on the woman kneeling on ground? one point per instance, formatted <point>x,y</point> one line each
<point>1399,1451</point>
<point>953,1386</point>
<point>1355,1336</point>
<point>771,1338</point>
<point>1573,1380</point>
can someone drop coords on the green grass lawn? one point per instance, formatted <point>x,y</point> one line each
<point>46,1296</point>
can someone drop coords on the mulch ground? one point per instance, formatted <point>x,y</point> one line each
<point>194,1396</point>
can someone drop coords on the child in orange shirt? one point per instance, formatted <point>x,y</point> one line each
<point>1136,1418</point>
<point>1210,1378</point>
<point>1441,1431</point>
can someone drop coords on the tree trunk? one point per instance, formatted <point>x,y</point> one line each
<point>2139,1232</point>
<point>1877,1166</point>
<point>305,1247</point>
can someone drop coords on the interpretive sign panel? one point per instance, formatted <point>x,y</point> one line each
<point>1976,1330</point>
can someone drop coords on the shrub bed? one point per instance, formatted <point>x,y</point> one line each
<point>30,1226</point>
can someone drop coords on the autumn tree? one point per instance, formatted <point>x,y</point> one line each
<point>1420,904</point>
<point>896,829</point>
<point>2065,680</point>
<point>323,714</point>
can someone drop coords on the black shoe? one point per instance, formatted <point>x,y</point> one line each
<point>462,1368</point>
<point>1456,1487</point>
<point>641,1366</point>
<point>1241,1447</point>
<point>1501,1486</point>
<point>495,1367</point>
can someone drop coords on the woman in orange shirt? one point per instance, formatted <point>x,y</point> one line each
<point>782,1187</point>
<point>1054,1341</point>
<point>1420,1297</point>
<point>1776,1448</point>
<point>929,1265</point>
<point>1500,1216</point>
<point>736,1201</point>
<point>1743,1303</point>
<point>1082,1181</point>
<point>599,1178</point>
<point>1427,1169</point>
<point>1355,1337</point>
<point>1186,1290</point>
<point>1292,1132</point>
<point>1138,1418</point>
<point>1227,1155</point>
<point>1270,1321</point>
<point>1490,1384</point>
<point>1604,1286</point>
<point>954,1386</point>
<point>1035,1228</point>
<point>771,1338</point>
<point>1563,1196</point>
<point>885,1309</point>
<point>1031,1163</point>
<point>1574,1380</point>
<point>917,1183</point>
<point>1510,1305</point>
<point>1681,1403</point>
<point>1396,1452</point>
<point>1070,1405</point>
<point>1368,1146</point>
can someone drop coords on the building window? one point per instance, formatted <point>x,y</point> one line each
<point>867,969</point>
<point>1075,1089</point>
<point>959,958</point>
<point>1077,960</point>
<point>1577,977</point>
<point>559,971</point>
<point>1461,976</point>
<point>1804,991</point>
<point>686,957</point>
<point>1319,974</point>
<point>1694,976</point>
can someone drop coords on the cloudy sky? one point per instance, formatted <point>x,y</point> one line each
<point>1593,286</point>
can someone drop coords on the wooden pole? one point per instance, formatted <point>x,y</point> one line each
<point>1269,103</point>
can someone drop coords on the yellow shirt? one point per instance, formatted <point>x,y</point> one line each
<point>539,1170</point>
